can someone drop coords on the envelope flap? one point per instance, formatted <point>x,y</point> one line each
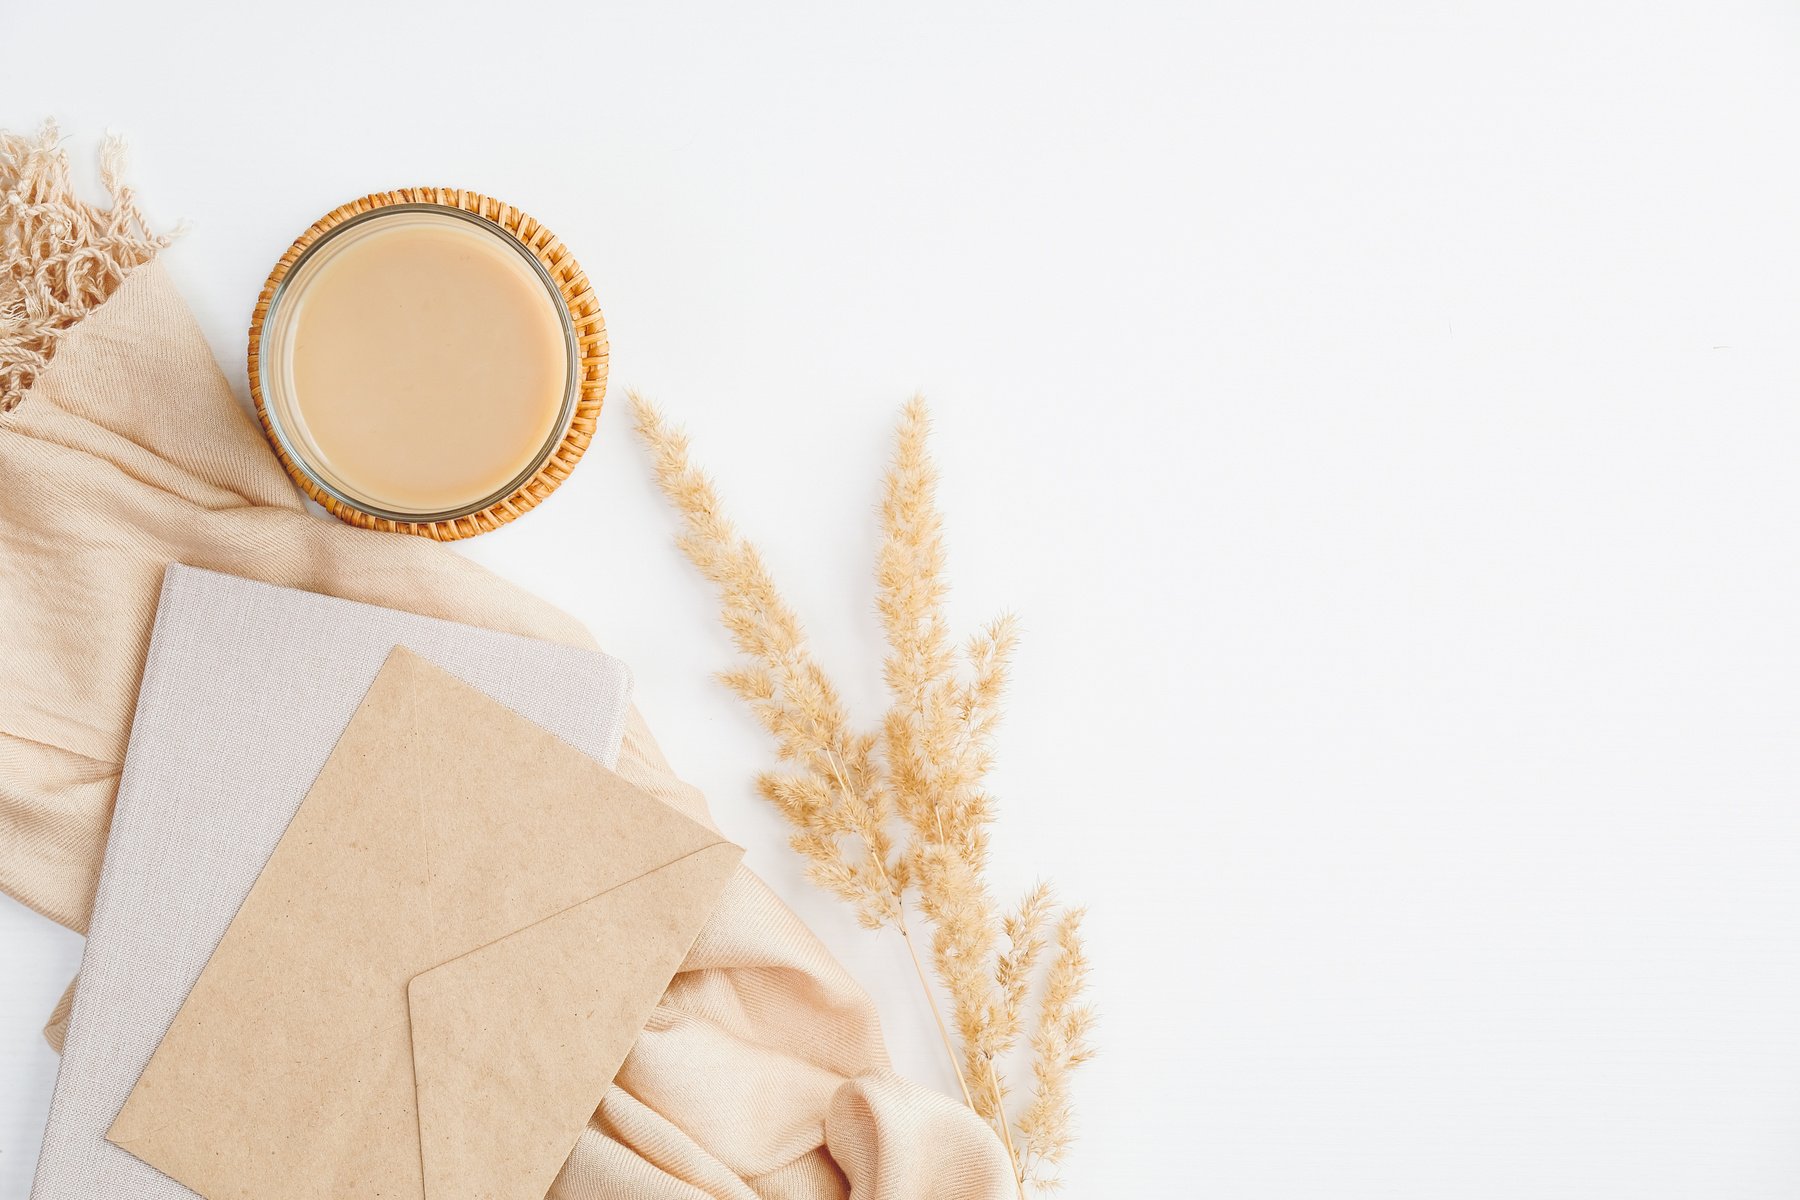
<point>514,1044</point>
<point>513,824</point>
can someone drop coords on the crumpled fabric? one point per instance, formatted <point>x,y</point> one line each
<point>761,1073</point>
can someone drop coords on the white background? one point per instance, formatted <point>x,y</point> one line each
<point>1382,416</point>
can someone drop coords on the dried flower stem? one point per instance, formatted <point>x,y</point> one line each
<point>1006,1132</point>
<point>937,1011</point>
<point>847,794</point>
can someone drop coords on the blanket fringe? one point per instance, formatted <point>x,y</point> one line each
<point>60,257</point>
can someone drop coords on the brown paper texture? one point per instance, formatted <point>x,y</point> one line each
<point>438,973</point>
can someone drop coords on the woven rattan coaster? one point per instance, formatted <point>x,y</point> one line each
<point>590,369</point>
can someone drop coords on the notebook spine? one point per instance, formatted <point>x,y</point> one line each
<point>149,687</point>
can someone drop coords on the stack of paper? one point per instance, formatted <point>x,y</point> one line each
<point>453,943</point>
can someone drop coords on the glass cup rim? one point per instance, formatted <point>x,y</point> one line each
<point>271,389</point>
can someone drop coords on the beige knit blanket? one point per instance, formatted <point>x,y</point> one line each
<point>122,449</point>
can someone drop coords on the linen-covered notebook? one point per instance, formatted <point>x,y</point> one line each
<point>246,690</point>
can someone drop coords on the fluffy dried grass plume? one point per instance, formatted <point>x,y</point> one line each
<point>897,822</point>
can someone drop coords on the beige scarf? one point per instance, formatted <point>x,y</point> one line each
<point>761,1073</point>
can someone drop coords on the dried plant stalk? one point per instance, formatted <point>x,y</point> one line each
<point>1059,1044</point>
<point>899,820</point>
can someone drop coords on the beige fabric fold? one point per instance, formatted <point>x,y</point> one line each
<point>762,1072</point>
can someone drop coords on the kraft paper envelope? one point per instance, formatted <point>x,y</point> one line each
<point>440,970</point>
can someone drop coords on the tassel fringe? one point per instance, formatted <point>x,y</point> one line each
<point>60,257</point>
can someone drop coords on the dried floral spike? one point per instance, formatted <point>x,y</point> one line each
<point>1059,1045</point>
<point>844,793</point>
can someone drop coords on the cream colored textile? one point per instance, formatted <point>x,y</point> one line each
<point>761,1074</point>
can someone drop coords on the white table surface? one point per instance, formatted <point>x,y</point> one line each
<point>1383,417</point>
